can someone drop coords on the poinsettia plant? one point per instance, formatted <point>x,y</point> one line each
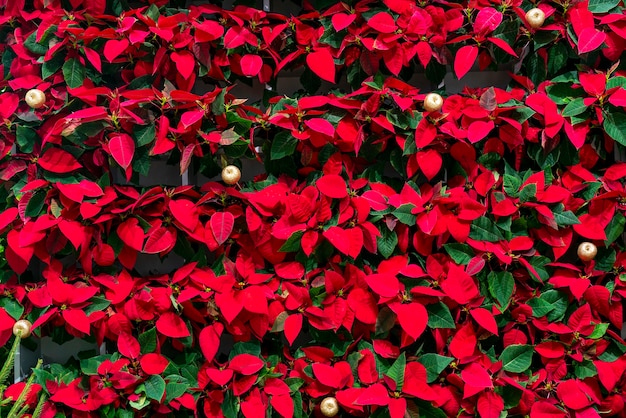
<point>389,257</point>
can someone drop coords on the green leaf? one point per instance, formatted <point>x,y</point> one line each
<point>517,358</point>
<point>33,46</point>
<point>602,6</point>
<point>396,371</point>
<point>12,307</point>
<point>144,134</point>
<point>501,285</point>
<point>528,193</point>
<point>26,138</point>
<point>51,66</point>
<point>565,218</point>
<point>387,241</point>
<point>283,145</point>
<point>174,390</point>
<point>439,316</point>
<point>574,108</point>
<point>615,126</point>
<point>540,307</point>
<point>599,331</point>
<point>89,366</point>
<point>293,243</point>
<point>511,184</point>
<point>615,228</point>
<point>483,229</point>
<point>460,253</point>
<point>404,215</point>
<point>245,347</point>
<point>73,72</point>
<point>35,204</point>
<point>97,303</point>
<point>585,369</point>
<point>148,341</point>
<point>155,387</point>
<point>434,364</point>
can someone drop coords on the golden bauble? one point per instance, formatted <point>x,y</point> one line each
<point>22,328</point>
<point>231,174</point>
<point>433,102</point>
<point>35,98</point>
<point>329,406</point>
<point>587,251</point>
<point>535,18</point>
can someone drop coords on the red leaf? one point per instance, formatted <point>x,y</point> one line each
<point>159,240</point>
<point>222,224</point>
<point>131,233</point>
<point>464,341</point>
<point>57,160</point>
<point>185,159</point>
<point>185,63</point>
<point>485,319</point>
<point>153,363</point>
<point>363,305</point>
<point>544,409</point>
<point>77,319</point>
<point>321,62</point>
<point>550,349</point>
<point>382,22</point>
<point>189,118</point>
<point>94,58</point>
<point>490,405</point>
<point>464,60</point>
<point>209,340</point>
<point>590,39</point>
<point>332,185</point>
<point>339,238</point>
<point>122,149</point>
<point>424,52</point>
<point>282,403</point>
<point>487,20</point>
<point>459,285</point>
<point>572,394</point>
<point>412,318</point>
<point>293,326</point>
<point>321,125</point>
<point>246,364</point>
<point>128,345</point>
<point>172,325</point>
<point>503,45</point>
<point>113,48</point>
<point>251,65</point>
<point>74,231</point>
<point>327,375</point>
<point>374,395</point>
<point>341,20</point>
<point>479,130</point>
<point>475,375</point>
<point>7,217</point>
<point>385,285</point>
<point>430,162</point>
<point>184,211</point>
<point>590,228</point>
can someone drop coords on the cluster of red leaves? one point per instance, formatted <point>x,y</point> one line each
<point>448,288</point>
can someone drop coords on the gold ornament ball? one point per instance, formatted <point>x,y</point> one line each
<point>587,251</point>
<point>231,174</point>
<point>535,18</point>
<point>329,407</point>
<point>22,328</point>
<point>433,102</point>
<point>35,98</point>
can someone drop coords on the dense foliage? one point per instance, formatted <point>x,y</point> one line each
<point>408,263</point>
